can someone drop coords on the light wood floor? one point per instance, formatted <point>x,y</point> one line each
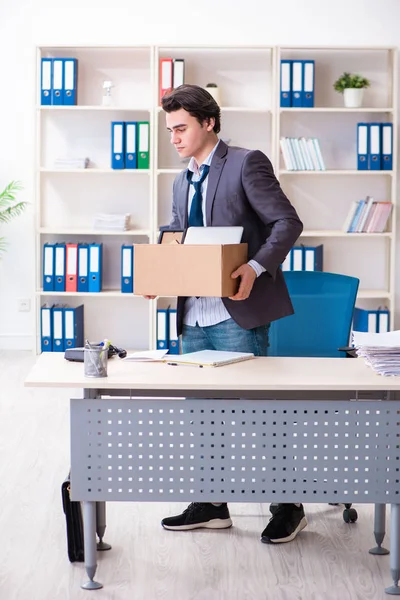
<point>328,561</point>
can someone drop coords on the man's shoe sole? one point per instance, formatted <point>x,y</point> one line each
<point>300,526</point>
<point>213,524</point>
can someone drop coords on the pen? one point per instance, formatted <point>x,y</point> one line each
<point>172,364</point>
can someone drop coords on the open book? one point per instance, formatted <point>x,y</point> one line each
<point>203,358</point>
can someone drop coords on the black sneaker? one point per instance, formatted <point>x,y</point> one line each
<point>200,514</point>
<point>287,521</point>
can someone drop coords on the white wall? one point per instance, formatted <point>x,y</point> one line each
<point>26,23</point>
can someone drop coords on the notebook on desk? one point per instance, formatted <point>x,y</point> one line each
<point>209,358</point>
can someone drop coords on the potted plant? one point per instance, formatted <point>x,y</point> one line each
<point>9,208</point>
<point>352,87</point>
<point>213,89</point>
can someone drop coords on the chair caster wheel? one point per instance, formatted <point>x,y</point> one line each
<point>350,515</point>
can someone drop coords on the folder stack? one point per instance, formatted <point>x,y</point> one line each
<point>59,78</point>
<point>374,146</point>
<point>302,154</point>
<point>297,83</point>
<point>167,336</point>
<point>373,321</point>
<point>62,327</point>
<point>130,145</point>
<point>72,267</point>
<point>172,74</point>
<point>367,216</point>
<point>304,258</point>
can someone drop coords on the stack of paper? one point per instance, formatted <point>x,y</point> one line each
<point>112,222</point>
<point>381,351</point>
<point>71,163</point>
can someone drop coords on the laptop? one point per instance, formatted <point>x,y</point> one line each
<point>213,235</point>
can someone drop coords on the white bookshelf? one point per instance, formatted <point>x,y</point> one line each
<point>248,77</point>
<point>323,198</point>
<point>68,199</point>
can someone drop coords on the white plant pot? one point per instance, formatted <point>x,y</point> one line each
<point>353,97</point>
<point>215,93</point>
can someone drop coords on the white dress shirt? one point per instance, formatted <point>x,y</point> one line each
<point>206,311</point>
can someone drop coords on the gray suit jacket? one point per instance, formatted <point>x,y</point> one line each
<point>243,190</point>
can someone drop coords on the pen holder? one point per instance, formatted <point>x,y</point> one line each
<point>95,361</point>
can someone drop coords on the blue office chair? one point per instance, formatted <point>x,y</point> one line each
<point>323,312</point>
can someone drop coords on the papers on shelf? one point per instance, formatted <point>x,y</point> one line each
<point>71,163</point>
<point>381,351</point>
<point>117,222</point>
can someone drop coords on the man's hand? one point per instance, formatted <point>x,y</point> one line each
<point>149,297</point>
<point>247,278</point>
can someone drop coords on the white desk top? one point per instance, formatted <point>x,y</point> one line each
<point>259,374</point>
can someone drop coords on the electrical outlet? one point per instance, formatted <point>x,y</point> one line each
<point>24,304</point>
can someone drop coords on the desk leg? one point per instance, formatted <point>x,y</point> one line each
<point>89,532</point>
<point>101,525</point>
<point>394,549</point>
<point>379,529</point>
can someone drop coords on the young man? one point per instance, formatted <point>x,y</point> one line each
<point>223,186</point>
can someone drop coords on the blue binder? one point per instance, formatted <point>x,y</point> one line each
<point>48,267</point>
<point>59,267</point>
<point>313,258</point>
<point>286,83</point>
<point>127,269</point>
<point>162,329</point>
<point>83,268</point>
<point>287,264</point>
<point>46,328</point>
<point>70,79</point>
<point>387,146</point>
<point>365,320</point>
<point>117,144</point>
<point>374,150</point>
<point>297,258</point>
<point>173,340</point>
<point>297,83</point>
<point>57,95</point>
<point>362,146</point>
<point>95,267</point>
<point>46,79</point>
<point>58,328</point>
<point>131,145</point>
<point>73,327</point>
<point>308,83</point>
<point>383,320</point>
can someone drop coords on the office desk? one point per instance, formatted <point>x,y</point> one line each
<point>268,429</point>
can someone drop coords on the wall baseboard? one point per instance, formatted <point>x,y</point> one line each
<point>16,342</point>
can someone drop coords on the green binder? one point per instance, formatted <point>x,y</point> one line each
<point>143,144</point>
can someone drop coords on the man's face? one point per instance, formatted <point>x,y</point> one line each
<point>187,135</point>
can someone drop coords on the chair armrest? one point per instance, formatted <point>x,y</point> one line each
<point>350,351</point>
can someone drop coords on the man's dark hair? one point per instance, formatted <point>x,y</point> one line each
<point>196,101</point>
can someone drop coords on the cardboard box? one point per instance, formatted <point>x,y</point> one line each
<point>187,270</point>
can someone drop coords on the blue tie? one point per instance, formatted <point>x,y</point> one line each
<point>196,208</point>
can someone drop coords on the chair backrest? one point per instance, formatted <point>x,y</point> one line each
<point>323,311</point>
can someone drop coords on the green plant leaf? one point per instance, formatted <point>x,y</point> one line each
<point>349,80</point>
<point>11,212</point>
<point>3,245</point>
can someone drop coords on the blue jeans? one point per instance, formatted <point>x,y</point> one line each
<point>227,336</point>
